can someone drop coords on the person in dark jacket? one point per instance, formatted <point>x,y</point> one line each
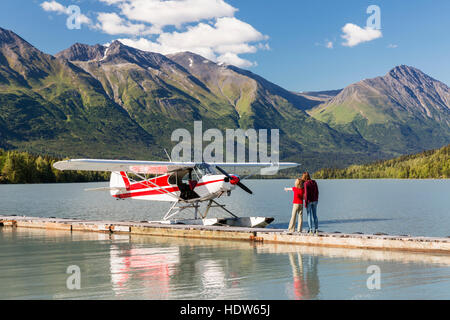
<point>311,196</point>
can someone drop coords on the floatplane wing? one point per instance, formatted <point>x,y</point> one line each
<point>164,167</point>
<point>252,168</point>
<point>135,166</point>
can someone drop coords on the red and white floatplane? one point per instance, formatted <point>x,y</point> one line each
<point>187,184</point>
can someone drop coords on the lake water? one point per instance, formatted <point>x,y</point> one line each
<point>33,263</point>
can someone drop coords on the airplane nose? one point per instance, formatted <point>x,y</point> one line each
<point>234,180</point>
<point>230,182</point>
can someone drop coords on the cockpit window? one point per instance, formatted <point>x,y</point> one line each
<point>173,178</point>
<point>205,169</point>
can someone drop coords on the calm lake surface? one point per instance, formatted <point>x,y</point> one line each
<point>33,263</point>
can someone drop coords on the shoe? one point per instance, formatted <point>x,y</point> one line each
<point>316,232</point>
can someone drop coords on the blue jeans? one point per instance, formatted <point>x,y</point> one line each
<point>311,209</point>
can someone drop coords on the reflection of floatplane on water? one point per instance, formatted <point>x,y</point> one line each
<point>130,179</point>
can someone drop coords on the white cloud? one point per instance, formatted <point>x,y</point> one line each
<point>392,46</point>
<point>326,43</point>
<point>264,46</point>
<point>112,23</point>
<point>82,19</point>
<point>205,27</point>
<point>111,1</point>
<point>221,42</point>
<point>355,35</point>
<point>234,59</point>
<point>236,48</point>
<point>173,12</point>
<point>226,32</point>
<point>53,6</point>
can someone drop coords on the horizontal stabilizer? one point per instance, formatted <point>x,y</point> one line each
<point>107,189</point>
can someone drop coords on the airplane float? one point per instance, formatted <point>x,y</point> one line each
<point>186,184</point>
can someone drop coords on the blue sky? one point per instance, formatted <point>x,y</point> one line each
<point>295,44</point>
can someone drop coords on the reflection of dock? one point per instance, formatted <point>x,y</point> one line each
<point>335,240</point>
<point>358,254</point>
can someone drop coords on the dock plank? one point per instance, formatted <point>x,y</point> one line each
<point>336,240</point>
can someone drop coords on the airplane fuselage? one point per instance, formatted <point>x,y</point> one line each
<point>161,188</point>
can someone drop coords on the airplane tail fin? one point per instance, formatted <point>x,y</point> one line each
<point>118,182</point>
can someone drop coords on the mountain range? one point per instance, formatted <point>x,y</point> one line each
<point>403,111</point>
<point>120,102</point>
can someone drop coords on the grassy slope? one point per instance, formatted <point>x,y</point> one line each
<point>389,117</point>
<point>51,106</point>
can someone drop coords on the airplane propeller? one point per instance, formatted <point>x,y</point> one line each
<point>235,180</point>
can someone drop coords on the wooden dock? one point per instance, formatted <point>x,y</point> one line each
<point>336,240</point>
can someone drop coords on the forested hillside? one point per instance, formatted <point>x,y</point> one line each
<point>429,164</point>
<point>23,167</point>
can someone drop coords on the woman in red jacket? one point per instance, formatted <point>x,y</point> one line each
<point>297,207</point>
